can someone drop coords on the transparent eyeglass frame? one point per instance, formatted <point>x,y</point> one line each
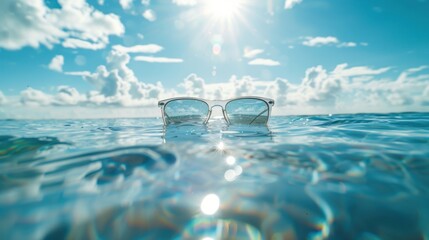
<point>215,103</point>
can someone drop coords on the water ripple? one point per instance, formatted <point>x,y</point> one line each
<point>362,176</point>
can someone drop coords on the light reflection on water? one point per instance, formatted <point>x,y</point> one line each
<point>310,177</point>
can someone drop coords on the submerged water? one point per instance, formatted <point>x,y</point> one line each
<point>362,176</point>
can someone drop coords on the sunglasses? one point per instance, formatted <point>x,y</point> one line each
<point>242,110</point>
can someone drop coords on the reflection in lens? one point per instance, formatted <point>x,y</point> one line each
<point>247,111</point>
<point>186,111</point>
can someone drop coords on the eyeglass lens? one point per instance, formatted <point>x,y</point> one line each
<point>186,110</point>
<point>247,111</point>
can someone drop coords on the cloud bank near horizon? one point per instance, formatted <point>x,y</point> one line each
<point>343,89</point>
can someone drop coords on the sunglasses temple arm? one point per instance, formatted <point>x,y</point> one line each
<point>258,116</point>
<point>167,115</point>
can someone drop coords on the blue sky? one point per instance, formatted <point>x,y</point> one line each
<point>76,58</point>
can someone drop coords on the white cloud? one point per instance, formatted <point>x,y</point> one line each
<point>408,90</point>
<point>3,99</point>
<point>347,44</point>
<point>32,23</point>
<point>343,90</point>
<point>374,92</point>
<point>24,24</point>
<point>242,87</point>
<point>126,4</point>
<point>150,15</point>
<point>185,2</point>
<point>264,62</point>
<point>251,53</point>
<point>405,74</point>
<point>318,87</point>
<point>278,89</point>
<point>342,70</point>
<point>289,4</point>
<point>116,84</point>
<point>81,73</point>
<point>67,96</point>
<point>149,48</point>
<point>329,40</point>
<point>158,59</point>
<point>319,41</point>
<point>78,43</point>
<point>340,88</point>
<point>194,86</point>
<point>33,97</point>
<point>86,23</point>
<point>100,2</point>
<point>57,63</point>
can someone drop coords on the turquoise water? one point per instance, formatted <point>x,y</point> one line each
<point>362,176</point>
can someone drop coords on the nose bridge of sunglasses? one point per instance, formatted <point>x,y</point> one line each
<point>217,103</point>
<point>216,111</point>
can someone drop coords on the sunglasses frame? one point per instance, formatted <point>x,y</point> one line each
<point>215,103</point>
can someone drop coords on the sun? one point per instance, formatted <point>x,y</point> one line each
<point>222,9</point>
<point>220,23</point>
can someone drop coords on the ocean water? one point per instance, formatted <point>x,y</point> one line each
<point>363,176</point>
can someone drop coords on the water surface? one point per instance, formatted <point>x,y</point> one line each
<point>363,176</point>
